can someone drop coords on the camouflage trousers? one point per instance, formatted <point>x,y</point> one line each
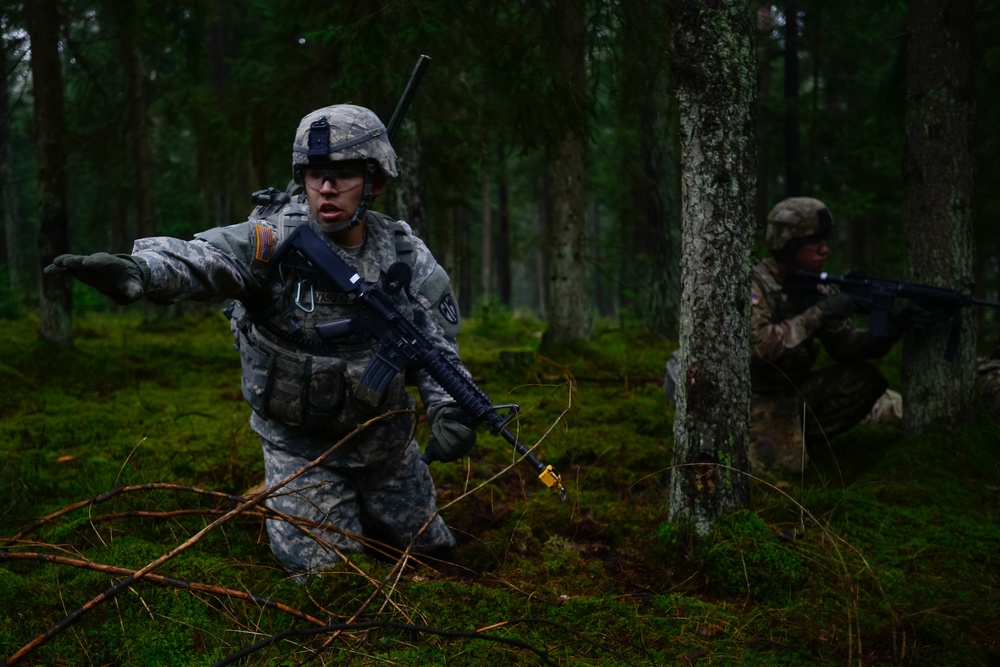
<point>828,402</point>
<point>348,509</point>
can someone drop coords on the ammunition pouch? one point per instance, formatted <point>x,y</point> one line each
<point>311,392</point>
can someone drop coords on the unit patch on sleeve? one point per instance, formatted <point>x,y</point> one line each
<point>265,243</point>
<point>448,309</point>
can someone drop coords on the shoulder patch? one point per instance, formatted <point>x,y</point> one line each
<point>448,309</point>
<point>265,243</point>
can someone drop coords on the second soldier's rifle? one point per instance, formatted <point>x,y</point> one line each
<point>401,344</point>
<point>877,296</point>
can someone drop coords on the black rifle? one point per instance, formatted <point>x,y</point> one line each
<point>401,344</point>
<point>877,295</point>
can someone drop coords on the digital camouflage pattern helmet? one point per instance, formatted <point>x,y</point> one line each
<point>794,219</point>
<point>339,133</point>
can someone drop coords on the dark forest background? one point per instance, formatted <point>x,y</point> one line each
<point>176,112</point>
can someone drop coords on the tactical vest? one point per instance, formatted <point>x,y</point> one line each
<point>291,374</point>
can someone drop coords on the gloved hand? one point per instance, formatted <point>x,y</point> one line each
<point>121,277</point>
<point>838,306</point>
<point>452,435</point>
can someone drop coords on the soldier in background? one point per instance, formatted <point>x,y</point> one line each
<point>791,401</point>
<point>301,385</point>
<point>792,404</point>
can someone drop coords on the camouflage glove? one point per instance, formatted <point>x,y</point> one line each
<point>837,307</point>
<point>121,277</point>
<point>452,434</point>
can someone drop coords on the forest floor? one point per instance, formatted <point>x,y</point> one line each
<point>133,442</point>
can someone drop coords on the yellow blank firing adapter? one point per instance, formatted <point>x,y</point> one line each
<point>551,478</point>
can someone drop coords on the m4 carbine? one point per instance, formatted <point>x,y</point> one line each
<point>401,344</point>
<point>877,295</point>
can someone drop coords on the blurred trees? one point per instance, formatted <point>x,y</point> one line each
<point>201,98</point>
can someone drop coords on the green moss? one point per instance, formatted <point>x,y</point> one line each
<point>884,548</point>
<point>741,556</point>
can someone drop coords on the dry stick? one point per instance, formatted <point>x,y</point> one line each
<point>160,579</point>
<point>129,580</point>
<point>119,491</point>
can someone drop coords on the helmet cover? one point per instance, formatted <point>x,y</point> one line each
<point>339,133</point>
<point>797,218</point>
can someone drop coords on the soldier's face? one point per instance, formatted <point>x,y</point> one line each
<point>811,256</point>
<point>335,193</point>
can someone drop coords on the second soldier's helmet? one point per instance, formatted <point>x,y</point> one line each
<point>799,219</point>
<point>342,132</point>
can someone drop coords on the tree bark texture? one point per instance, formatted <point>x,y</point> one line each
<point>56,297</point>
<point>568,308</point>
<point>938,209</point>
<point>714,65</point>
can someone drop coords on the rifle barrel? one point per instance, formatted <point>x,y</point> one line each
<point>404,102</point>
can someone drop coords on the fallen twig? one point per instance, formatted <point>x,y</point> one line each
<point>34,525</point>
<point>161,579</point>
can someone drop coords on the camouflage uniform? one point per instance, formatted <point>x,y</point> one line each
<point>300,387</point>
<point>988,373</point>
<point>792,404</point>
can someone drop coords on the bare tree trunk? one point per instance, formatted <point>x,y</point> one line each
<point>793,142</point>
<point>55,306</point>
<point>765,24</point>
<point>487,239</point>
<point>406,192</point>
<point>257,168</point>
<point>466,290</point>
<point>603,298</point>
<point>16,242</point>
<point>568,310</point>
<point>504,277</point>
<point>656,234</point>
<point>138,126</point>
<point>712,52</point>
<point>218,170</point>
<point>938,209</point>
